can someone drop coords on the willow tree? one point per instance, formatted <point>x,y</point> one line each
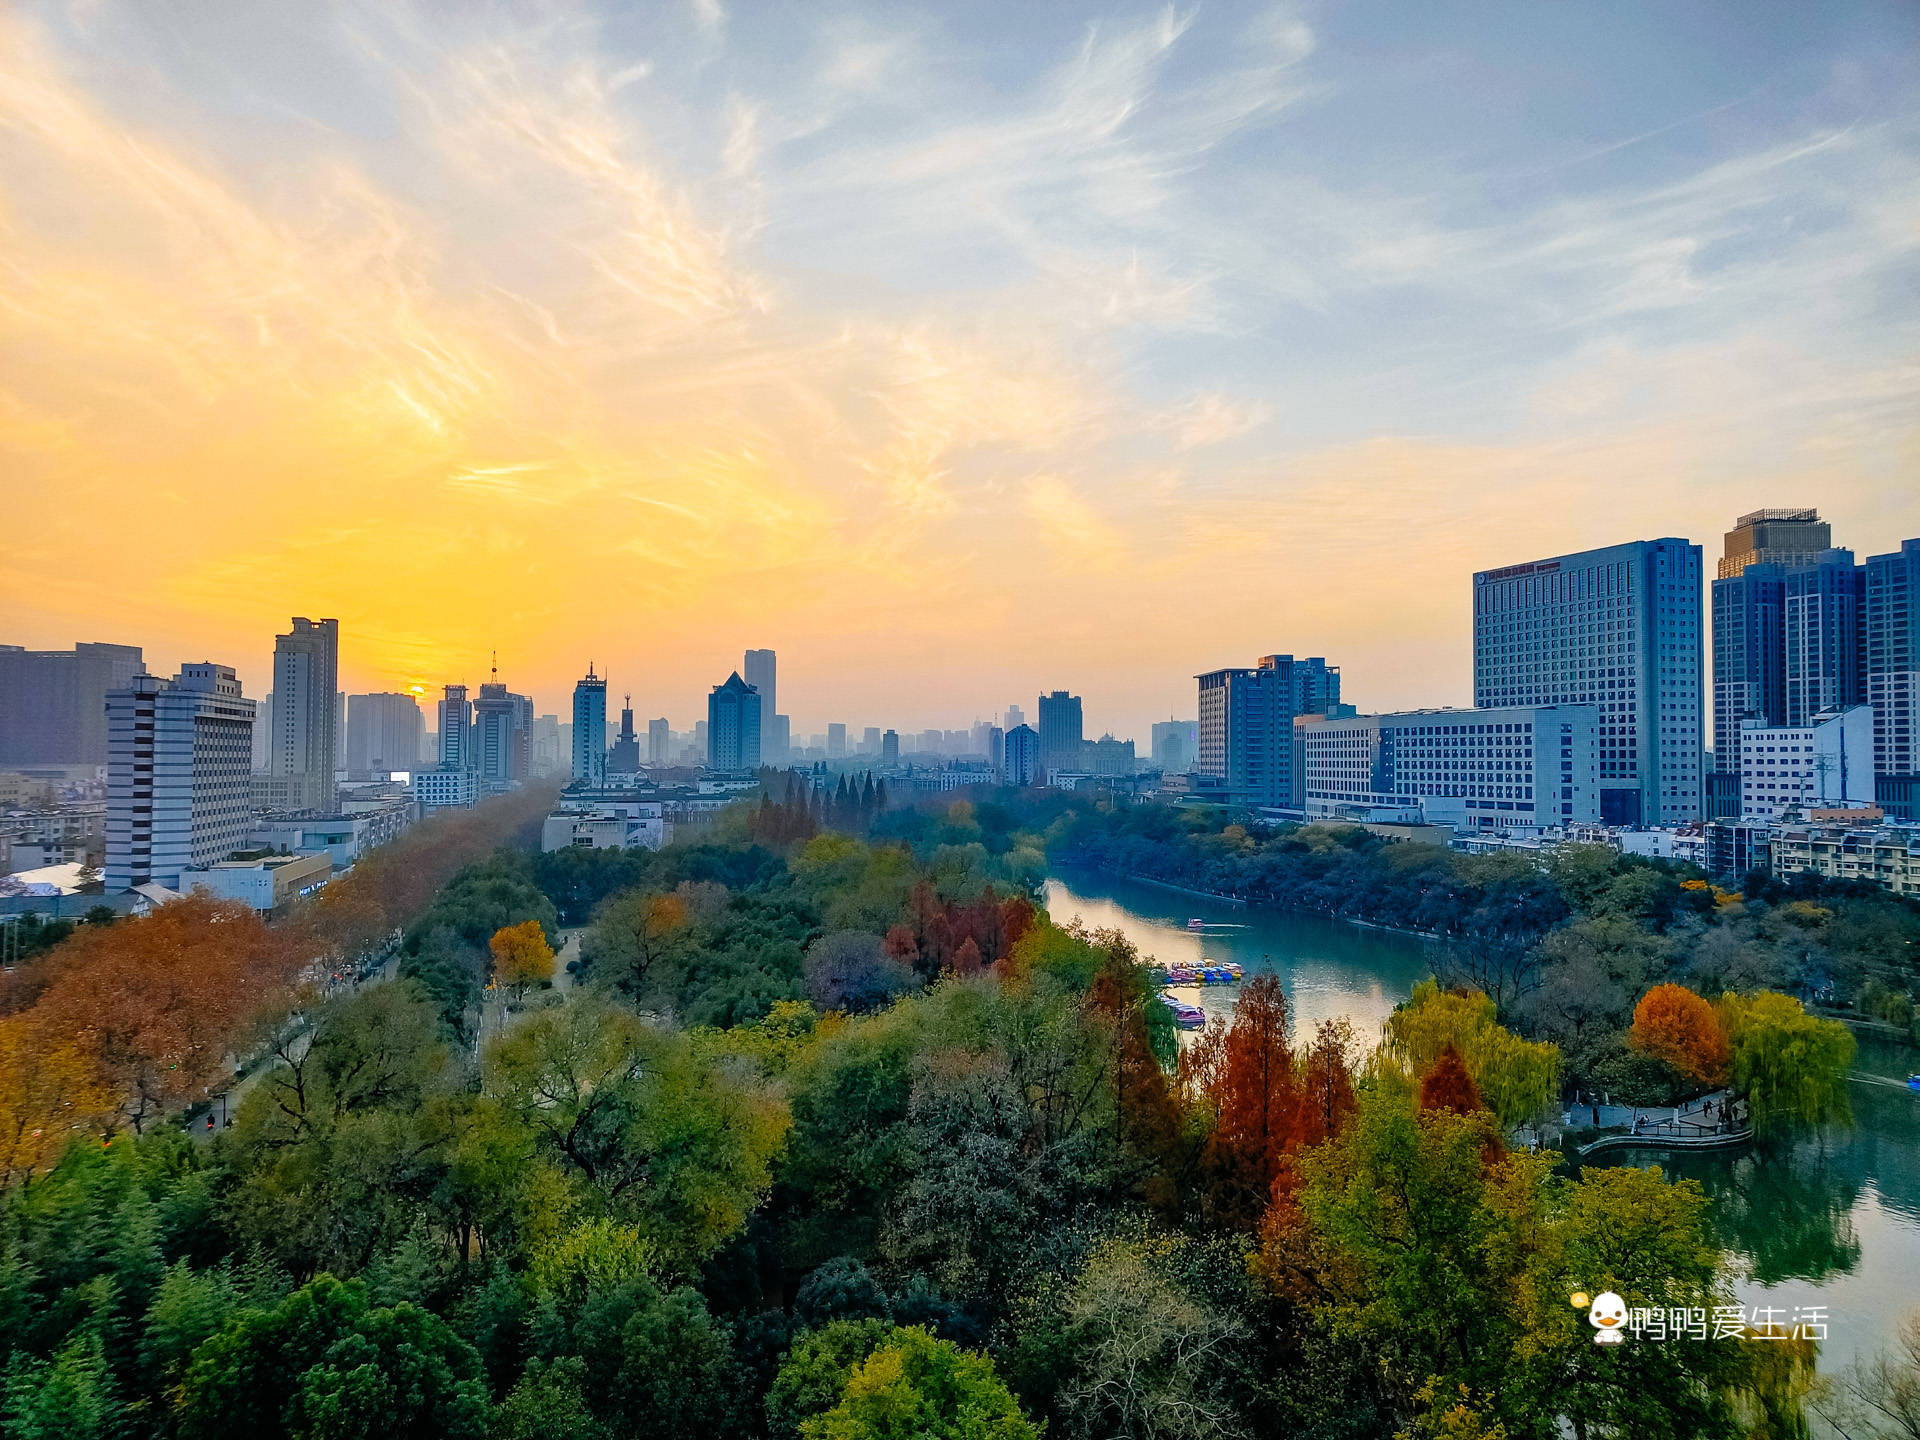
<point>1790,1067</point>
<point>1516,1077</point>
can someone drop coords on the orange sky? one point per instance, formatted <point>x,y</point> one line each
<point>535,359</point>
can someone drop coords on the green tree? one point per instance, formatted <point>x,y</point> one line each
<point>814,1375</point>
<point>1788,1066</point>
<point>401,1374</point>
<point>915,1387</point>
<point>70,1397</point>
<point>1515,1077</point>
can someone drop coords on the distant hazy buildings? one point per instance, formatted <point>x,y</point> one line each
<point>1060,731</point>
<point>1826,764</point>
<point>178,773</point>
<point>733,725</point>
<point>305,746</point>
<point>890,750</point>
<point>53,703</point>
<point>1022,764</point>
<point>659,741</point>
<point>1176,743</point>
<point>1618,628</point>
<point>384,733</point>
<point>761,670</point>
<point>836,739</point>
<point>1893,676</point>
<point>1511,768</point>
<point>1244,738</point>
<point>590,728</point>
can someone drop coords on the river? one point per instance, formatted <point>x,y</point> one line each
<point>1832,1222</point>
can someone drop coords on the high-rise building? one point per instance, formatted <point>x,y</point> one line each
<point>1823,616</point>
<point>782,739</point>
<point>53,703</point>
<point>1244,736</point>
<point>1773,537</point>
<point>455,715</point>
<point>383,732</point>
<point>263,736</point>
<point>501,725</point>
<point>836,740</point>
<point>870,740</point>
<point>590,728</point>
<point>1749,657</point>
<point>760,670</point>
<point>996,748</point>
<point>178,775</point>
<point>733,725</point>
<point>1175,744</point>
<point>546,755</point>
<point>1061,733</point>
<point>306,744</point>
<point>659,741</point>
<point>1618,628</point>
<point>890,749</point>
<point>625,756</point>
<point>1893,676</point>
<point>1022,763</point>
<point>1825,764</point>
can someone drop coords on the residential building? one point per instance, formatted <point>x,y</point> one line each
<point>23,791</point>
<point>659,741</point>
<point>733,725</point>
<point>53,703</point>
<point>1514,767</point>
<point>1823,616</point>
<point>1738,847</point>
<point>179,762</point>
<point>870,740</point>
<point>1893,676</point>
<point>343,839</point>
<point>1886,855</point>
<point>761,669</point>
<point>1176,743</point>
<point>305,747</point>
<point>267,883</point>
<point>1022,763</point>
<point>890,750</point>
<point>836,740</point>
<point>455,715</point>
<point>1617,628</point>
<point>1060,731</point>
<point>1827,763</point>
<point>383,733</point>
<point>445,789</point>
<point>589,726</point>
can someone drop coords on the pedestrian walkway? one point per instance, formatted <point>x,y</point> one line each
<point>1697,1119</point>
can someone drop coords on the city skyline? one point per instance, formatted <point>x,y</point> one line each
<point>876,335</point>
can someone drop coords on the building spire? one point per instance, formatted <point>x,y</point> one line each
<point>496,667</point>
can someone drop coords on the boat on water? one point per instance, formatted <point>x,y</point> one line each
<point>1207,972</point>
<point>1196,923</point>
<point>1186,1015</point>
<point>1913,1082</point>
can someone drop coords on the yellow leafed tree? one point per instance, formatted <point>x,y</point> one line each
<point>521,956</point>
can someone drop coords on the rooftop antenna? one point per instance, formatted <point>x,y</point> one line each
<point>496,667</point>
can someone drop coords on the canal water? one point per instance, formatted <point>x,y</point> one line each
<point>1832,1222</point>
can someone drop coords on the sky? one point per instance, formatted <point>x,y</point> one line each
<point>957,353</point>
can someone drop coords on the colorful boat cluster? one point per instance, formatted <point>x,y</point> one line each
<point>1186,1016</point>
<point>1207,972</point>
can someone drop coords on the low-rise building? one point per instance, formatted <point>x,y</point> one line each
<point>641,824</point>
<point>444,789</point>
<point>267,882</point>
<point>343,838</point>
<point>1885,855</point>
<point>1513,768</point>
<point>1786,770</point>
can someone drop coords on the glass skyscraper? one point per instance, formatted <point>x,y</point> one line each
<point>1617,628</point>
<point>590,728</point>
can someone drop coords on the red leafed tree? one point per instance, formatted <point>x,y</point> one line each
<point>1254,1086</point>
<point>1448,1086</point>
<point>1673,1024</point>
<point>1326,1082</point>
<point>158,1003</point>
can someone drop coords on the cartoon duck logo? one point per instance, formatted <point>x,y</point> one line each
<point>1608,1316</point>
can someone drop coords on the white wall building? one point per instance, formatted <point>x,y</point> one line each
<point>641,824</point>
<point>1520,767</point>
<point>179,767</point>
<point>444,790</point>
<point>1826,764</point>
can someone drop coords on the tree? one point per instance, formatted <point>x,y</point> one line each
<point>927,1389</point>
<point>814,1375</point>
<point>635,939</point>
<point>1884,1391</point>
<point>521,956</point>
<point>853,972</point>
<point>399,1373</point>
<point>1790,1067</point>
<point>1676,1026</point>
<point>50,1091</point>
<point>70,1397</point>
<point>1247,1073</point>
<point>1448,1086</point>
<point>1515,1077</point>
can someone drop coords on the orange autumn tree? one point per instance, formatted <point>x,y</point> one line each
<point>521,956</point>
<point>1676,1026</point>
<point>1247,1072</point>
<point>158,1003</point>
<point>49,1093</point>
<point>1448,1086</point>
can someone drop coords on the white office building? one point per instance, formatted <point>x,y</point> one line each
<point>1619,629</point>
<point>1826,764</point>
<point>179,763</point>
<point>1521,767</point>
<point>443,789</point>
